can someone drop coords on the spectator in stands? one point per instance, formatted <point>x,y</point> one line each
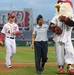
<point>39,43</point>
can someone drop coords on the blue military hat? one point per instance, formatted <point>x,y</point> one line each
<point>39,17</point>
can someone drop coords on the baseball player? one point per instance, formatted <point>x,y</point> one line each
<point>10,29</point>
<point>39,42</point>
<point>61,25</point>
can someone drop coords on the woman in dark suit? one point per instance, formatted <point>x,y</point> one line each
<point>39,43</point>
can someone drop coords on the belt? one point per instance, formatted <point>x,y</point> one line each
<point>11,37</point>
<point>43,41</point>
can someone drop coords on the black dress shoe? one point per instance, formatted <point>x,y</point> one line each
<point>38,72</point>
<point>42,69</point>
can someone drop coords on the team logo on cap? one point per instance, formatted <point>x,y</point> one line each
<point>10,15</point>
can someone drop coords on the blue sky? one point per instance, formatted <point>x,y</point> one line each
<point>44,7</point>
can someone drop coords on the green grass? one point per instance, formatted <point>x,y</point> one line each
<point>24,56</point>
<point>49,70</point>
<point>28,56</point>
<point>2,54</point>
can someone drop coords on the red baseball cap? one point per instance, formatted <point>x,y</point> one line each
<point>10,15</point>
<point>68,1</point>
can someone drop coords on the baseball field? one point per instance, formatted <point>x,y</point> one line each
<point>23,62</point>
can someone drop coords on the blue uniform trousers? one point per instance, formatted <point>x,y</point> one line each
<point>41,49</point>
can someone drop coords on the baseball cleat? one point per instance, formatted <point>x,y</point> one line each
<point>9,66</point>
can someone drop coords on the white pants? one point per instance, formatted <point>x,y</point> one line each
<point>10,46</point>
<point>64,53</point>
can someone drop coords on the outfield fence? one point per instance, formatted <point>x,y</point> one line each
<point>28,43</point>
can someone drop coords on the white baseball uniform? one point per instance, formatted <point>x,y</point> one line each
<point>63,45</point>
<point>10,44</point>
